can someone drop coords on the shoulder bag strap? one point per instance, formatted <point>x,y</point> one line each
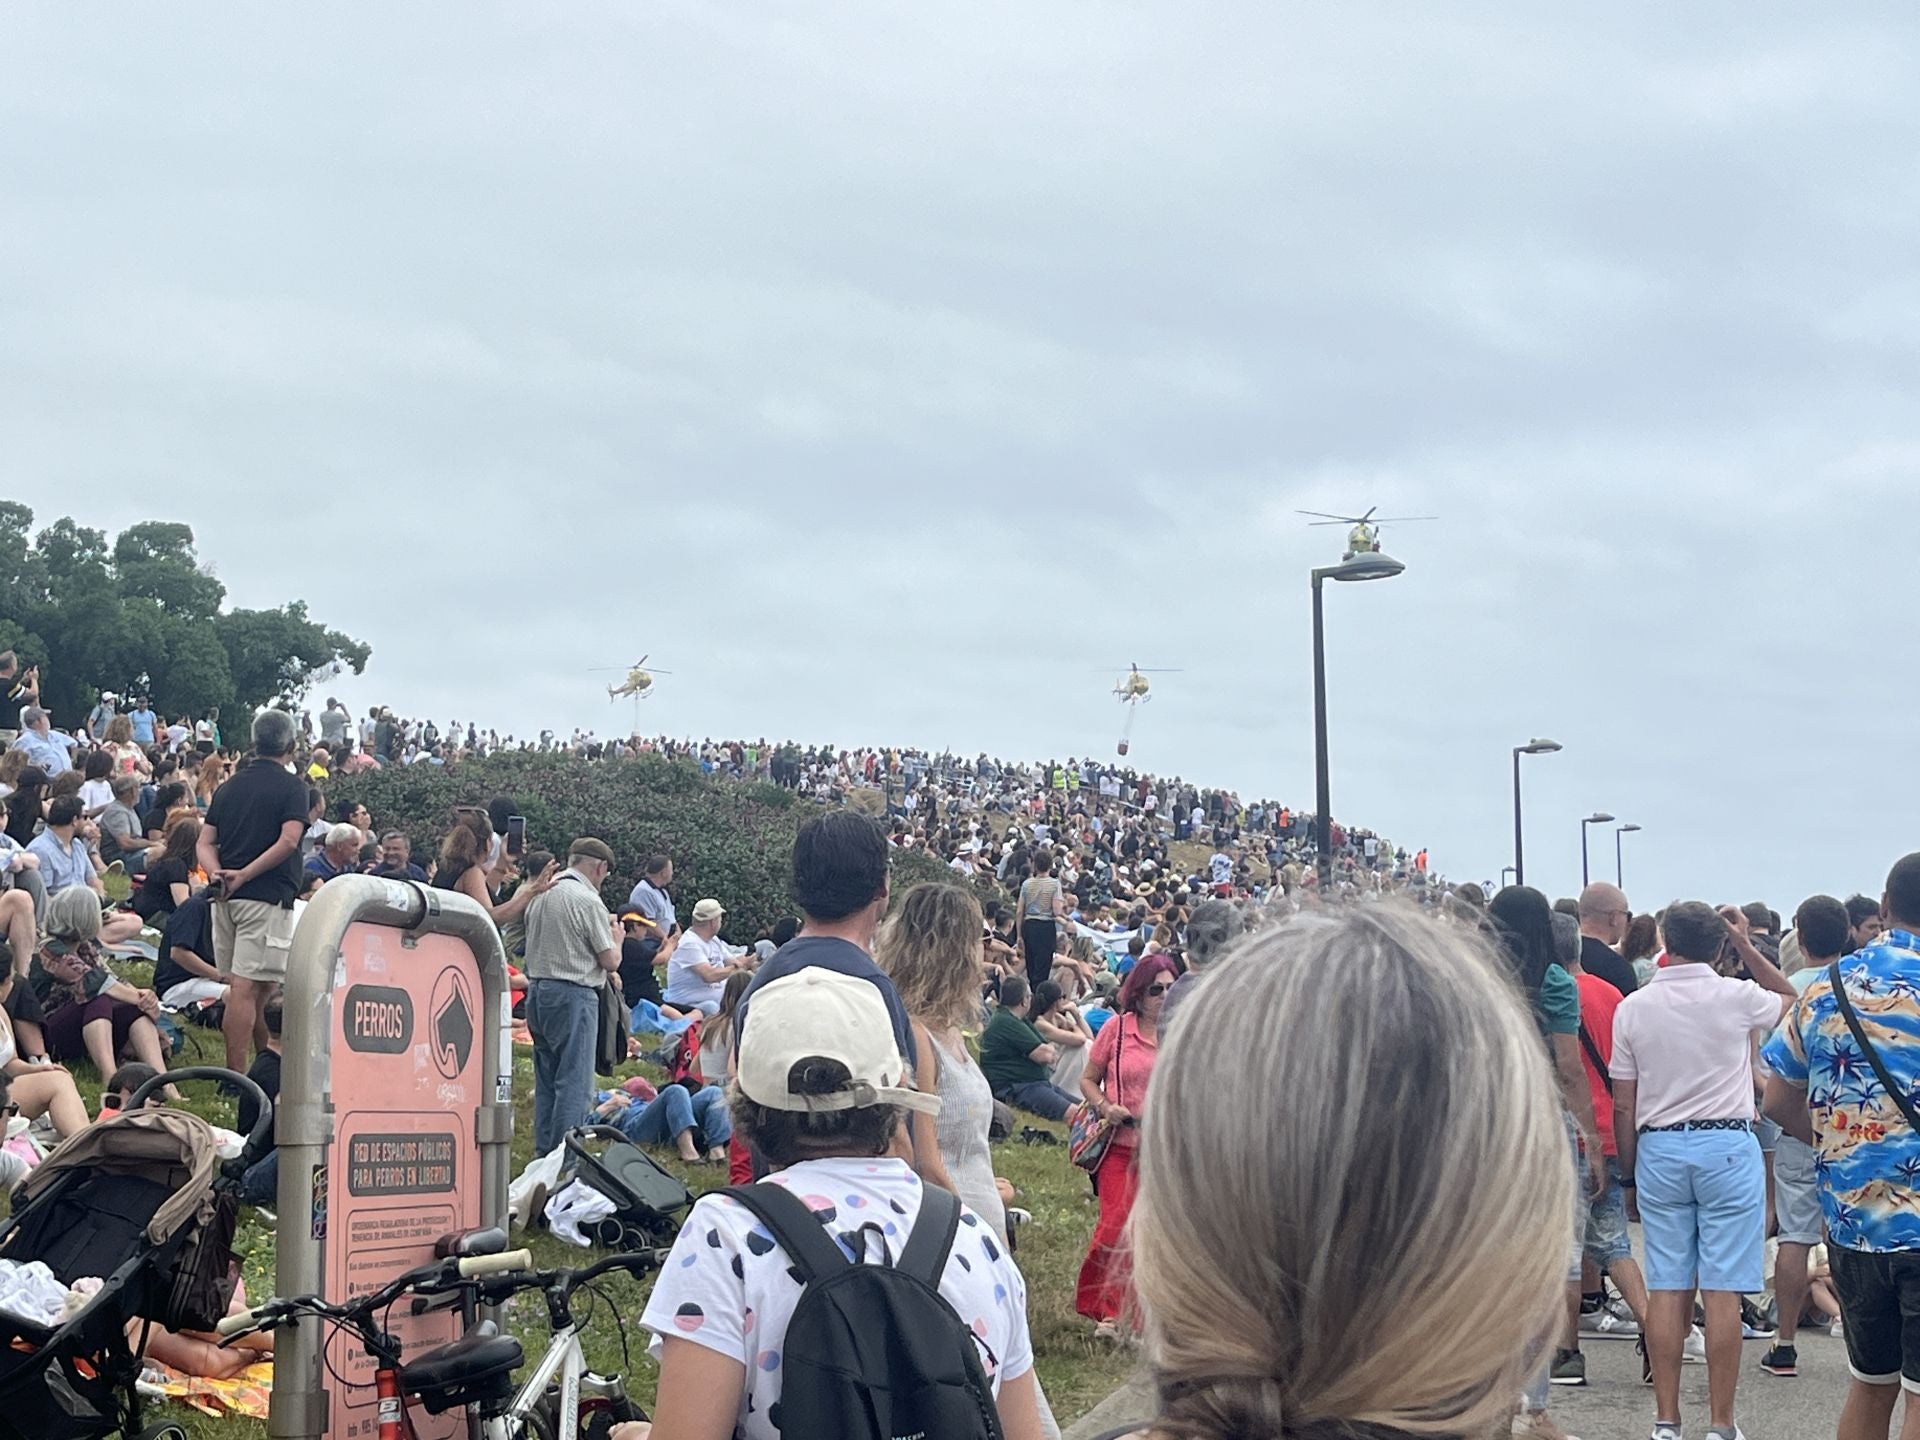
<point>931,1239</point>
<point>786,1215</point>
<point>1894,1093</point>
<point>1593,1054</point>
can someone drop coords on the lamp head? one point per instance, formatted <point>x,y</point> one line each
<point>1629,827</point>
<point>1599,817</point>
<point>1539,747</point>
<point>1370,566</point>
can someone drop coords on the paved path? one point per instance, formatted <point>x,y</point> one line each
<point>1616,1406</point>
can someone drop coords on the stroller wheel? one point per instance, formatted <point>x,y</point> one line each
<point>165,1430</point>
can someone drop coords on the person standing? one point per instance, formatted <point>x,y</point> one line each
<point>143,722</point>
<point>1119,1068</point>
<point>1682,1067</point>
<point>1858,1105</point>
<point>570,952</point>
<point>1042,907</point>
<point>249,846</point>
<point>1604,915</point>
<point>1821,926</point>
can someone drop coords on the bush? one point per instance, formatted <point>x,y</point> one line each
<point>728,839</point>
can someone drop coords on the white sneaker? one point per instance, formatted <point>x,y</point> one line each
<point>1603,1324</point>
<point>1694,1352</point>
<point>1665,1432</point>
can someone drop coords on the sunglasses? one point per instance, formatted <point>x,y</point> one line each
<point>1159,987</point>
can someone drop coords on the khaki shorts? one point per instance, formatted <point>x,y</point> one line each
<point>251,940</point>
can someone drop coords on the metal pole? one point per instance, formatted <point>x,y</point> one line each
<point>1583,854</point>
<point>1619,874</point>
<point>1323,804</point>
<point>1519,864</point>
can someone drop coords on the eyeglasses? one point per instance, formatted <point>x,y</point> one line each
<point>1160,988</point>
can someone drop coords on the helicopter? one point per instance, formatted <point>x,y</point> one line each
<point>1134,689</point>
<point>639,681</point>
<point>1364,537</point>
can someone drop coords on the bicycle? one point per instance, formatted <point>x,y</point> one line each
<point>561,1400</point>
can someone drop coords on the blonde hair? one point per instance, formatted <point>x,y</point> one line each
<point>930,948</point>
<point>1294,1265</point>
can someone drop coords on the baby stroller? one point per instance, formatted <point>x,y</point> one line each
<point>647,1200</point>
<point>143,1203</point>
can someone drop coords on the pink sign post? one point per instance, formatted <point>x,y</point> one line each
<point>394,1126</point>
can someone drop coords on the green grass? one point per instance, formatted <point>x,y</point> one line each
<point>1075,1370</point>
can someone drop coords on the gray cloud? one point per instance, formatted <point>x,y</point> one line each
<point>891,373</point>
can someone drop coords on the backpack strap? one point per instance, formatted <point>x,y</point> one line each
<point>1900,1101</point>
<point>786,1215</point>
<point>1593,1054</point>
<point>931,1240</point>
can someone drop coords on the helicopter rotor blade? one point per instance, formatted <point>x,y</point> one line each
<point>1331,519</point>
<point>1402,519</point>
<point>1368,517</point>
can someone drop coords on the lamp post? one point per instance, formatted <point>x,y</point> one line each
<point>1532,747</point>
<point>1599,817</point>
<point>1619,872</point>
<point>1369,565</point>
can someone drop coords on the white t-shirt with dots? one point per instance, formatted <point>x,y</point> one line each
<point>727,1285</point>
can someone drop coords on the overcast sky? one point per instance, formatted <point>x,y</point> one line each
<point>900,372</point>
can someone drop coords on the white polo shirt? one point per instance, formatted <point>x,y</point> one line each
<point>1687,1037</point>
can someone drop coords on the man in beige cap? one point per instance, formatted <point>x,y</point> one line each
<point>698,970</point>
<point>570,951</point>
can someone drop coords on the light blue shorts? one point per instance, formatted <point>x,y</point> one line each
<point>1796,1194</point>
<point>1703,1210</point>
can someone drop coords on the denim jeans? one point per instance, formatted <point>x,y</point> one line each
<point>564,1020</point>
<point>1039,1097</point>
<point>261,1184</point>
<point>673,1111</point>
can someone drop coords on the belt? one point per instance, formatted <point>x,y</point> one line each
<point>1697,1125</point>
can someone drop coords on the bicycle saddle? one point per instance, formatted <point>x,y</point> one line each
<point>477,1367</point>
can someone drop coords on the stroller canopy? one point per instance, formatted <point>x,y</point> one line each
<point>168,1147</point>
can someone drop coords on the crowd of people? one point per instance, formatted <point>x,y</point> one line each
<point>1740,1087</point>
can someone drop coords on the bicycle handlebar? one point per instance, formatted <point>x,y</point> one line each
<point>473,1266</point>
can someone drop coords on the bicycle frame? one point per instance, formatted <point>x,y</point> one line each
<point>564,1361</point>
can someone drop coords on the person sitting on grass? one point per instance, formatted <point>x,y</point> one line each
<point>680,1115</point>
<point>85,1010</point>
<point>1017,1061</point>
<point>36,1090</point>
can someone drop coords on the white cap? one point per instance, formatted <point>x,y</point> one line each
<point>821,1013</point>
<point>707,910</point>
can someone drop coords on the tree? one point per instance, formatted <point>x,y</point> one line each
<point>277,654</point>
<point>143,614</point>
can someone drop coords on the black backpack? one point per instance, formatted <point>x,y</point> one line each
<point>874,1352</point>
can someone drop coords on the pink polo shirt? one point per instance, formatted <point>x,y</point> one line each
<point>1687,1037</point>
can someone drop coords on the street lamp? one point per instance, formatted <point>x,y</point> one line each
<point>1619,874</point>
<point>1599,817</point>
<point>1532,747</point>
<point>1368,565</point>
<point>1506,870</point>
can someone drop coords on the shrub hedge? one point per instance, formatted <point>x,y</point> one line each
<point>729,839</point>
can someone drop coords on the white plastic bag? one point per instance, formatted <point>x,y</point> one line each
<point>575,1210</point>
<point>541,1174</point>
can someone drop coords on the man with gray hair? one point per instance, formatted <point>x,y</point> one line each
<point>571,949</point>
<point>44,746</point>
<point>339,854</point>
<point>250,846</point>
<point>1211,929</point>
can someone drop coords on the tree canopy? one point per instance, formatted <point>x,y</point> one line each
<point>142,615</point>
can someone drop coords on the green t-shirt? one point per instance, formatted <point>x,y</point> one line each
<point>1005,1046</point>
<point>1559,1003</point>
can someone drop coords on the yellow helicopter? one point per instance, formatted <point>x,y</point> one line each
<point>1131,690</point>
<point>639,681</point>
<point>1364,537</point>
